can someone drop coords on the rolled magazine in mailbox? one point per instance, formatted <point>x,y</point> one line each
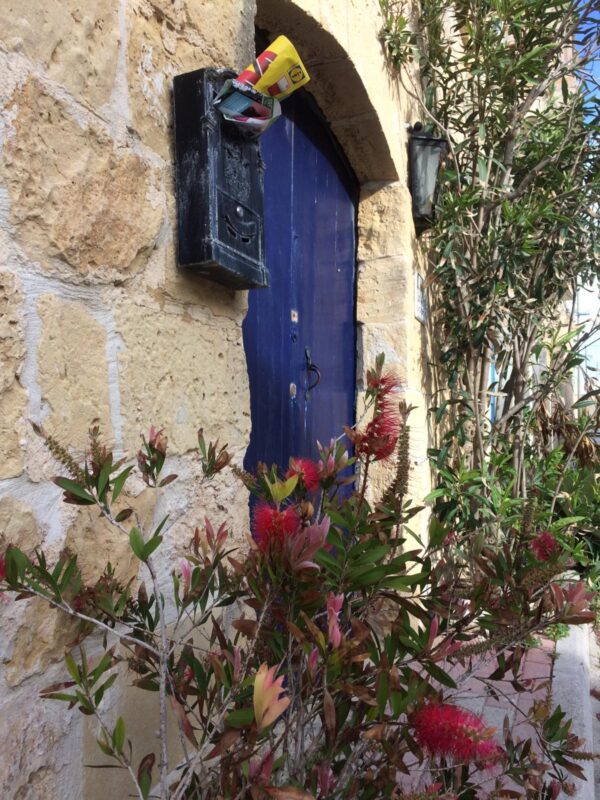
<point>252,99</point>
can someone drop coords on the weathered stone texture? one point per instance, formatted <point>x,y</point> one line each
<point>18,526</point>
<point>27,735</point>
<point>385,226</point>
<point>167,37</point>
<point>405,346</point>
<point>12,396</point>
<point>96,542</point>
<point>384,290</point>
<point>182,373</point>
<point>140,712</point>
<point>171,287</point>
<point>39,638</point>
<point>386,310</point>
<point>75,41</point>
<point>72,370</point>
<point>190,501</point>
<point>74,195</point>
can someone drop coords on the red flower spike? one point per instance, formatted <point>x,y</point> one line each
<point>382,384</point>
<point>449,731</point>
<point>378,440</point>
<point>381,434</point>
<point>307,471</point>
<point>545,546</point>
<point>273,527</point>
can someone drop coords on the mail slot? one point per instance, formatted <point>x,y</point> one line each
<point>220,179</point>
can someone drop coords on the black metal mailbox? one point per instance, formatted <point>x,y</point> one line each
<point>219,174</point>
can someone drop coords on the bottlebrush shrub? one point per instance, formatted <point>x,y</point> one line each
<point>339,675</point>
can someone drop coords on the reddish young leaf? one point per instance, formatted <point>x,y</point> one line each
<point>229,738</point>
<point>183,720</point>
<point>245,626</point>
<point>329,715</point>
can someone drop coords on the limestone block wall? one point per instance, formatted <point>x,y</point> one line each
<point>97,322</point>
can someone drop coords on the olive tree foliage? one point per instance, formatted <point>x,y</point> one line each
<point>512,85</point>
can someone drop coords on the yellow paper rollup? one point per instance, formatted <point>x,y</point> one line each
<point>278,71</point>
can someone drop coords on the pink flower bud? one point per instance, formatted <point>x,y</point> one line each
<point>186,574</point>
<point>334,607</point>
<point>313,660</point>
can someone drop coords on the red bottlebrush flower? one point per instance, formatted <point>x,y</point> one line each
<point>272,526</point>
<point>545,546</point>
<point>378,440</point>
<point>382,384</point>
<point>450,731</point>
<point>307,471</point>
<point>381,434</point>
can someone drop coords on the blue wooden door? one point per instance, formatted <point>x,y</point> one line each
<point>302,328</point>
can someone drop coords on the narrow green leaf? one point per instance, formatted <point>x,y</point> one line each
<point>151,546</point>
<point>16,564</point>
<point>72,667</point>
<point>118,736</point>
<point>401,582</point>
<point>136,540</point>
<point>119,482</point>
<point>382,692</point>
<point>75,489</point>
<point>104,477</point>
<point>439,675</point>
<point>68,698</point>
<point>161,526</point>
<point>240,718</point>
<point>145,782</point>
<point>102,666</point>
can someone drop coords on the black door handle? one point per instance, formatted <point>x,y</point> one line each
<point>310,367</point>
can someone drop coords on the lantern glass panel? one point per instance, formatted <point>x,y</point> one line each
<point>425,164</point>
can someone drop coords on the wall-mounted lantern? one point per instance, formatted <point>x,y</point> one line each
<point>426,156</point>
<point>219,175</point>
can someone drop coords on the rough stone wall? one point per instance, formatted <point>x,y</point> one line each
<point>96,321</point>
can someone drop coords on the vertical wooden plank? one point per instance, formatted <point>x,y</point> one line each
<point>310,211</point>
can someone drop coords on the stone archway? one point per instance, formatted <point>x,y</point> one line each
<point>337,86</point>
